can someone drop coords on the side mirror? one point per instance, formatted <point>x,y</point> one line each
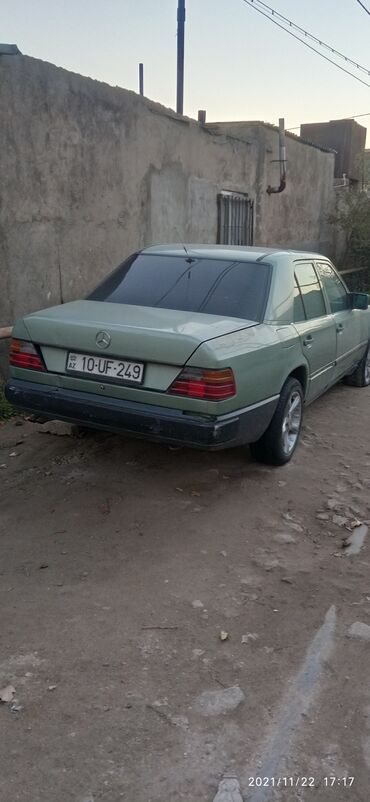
<point>359,300</point>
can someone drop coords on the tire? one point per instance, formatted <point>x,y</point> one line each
<point>361,376</point>
<point>278,444</point>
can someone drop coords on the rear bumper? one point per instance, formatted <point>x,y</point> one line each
<point>142,420</point>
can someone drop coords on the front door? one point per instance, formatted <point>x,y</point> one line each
<point>316,329</point>
<point>347,320</point>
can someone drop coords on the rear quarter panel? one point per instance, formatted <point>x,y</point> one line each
<point>261,357</point>
<point>365,325</point>
<point>20,332</point>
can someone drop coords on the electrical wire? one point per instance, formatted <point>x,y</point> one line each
<point>271,19</point>
<point>354,117</point>
<point>311,36</point>
<point>364,7</point>
<point>367,114</point>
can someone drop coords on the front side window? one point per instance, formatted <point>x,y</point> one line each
<point>311,292</point>
<point>334,288</point>
<point>211,286</point>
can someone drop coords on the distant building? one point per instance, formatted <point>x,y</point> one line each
<point>347,138</point>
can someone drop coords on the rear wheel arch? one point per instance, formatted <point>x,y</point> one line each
<point>277,445</point>
<point>301,374</point>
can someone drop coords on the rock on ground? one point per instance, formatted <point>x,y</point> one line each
<point>360,631</point>
<point>228,791</point>
<point>215,703</point>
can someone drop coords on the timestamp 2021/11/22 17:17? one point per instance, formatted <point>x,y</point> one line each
<point>330,781</point>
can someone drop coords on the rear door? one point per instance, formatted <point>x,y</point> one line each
<point>316,328</point>
<point>348,321</point>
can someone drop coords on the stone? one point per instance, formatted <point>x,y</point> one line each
<point>250,636</point>
<point>228,791</point>
<point>295,527</point>
<point>7,694</point>
<point>359,630</point>
<point>58,428</point>
<point>216,703</point>
<point>332,503</point>
<point>284,537</point>
<point>340,520</point>
<point>355,541</point>
<point>197,604</point>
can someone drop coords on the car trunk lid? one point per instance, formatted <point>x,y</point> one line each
<point>135,332</point>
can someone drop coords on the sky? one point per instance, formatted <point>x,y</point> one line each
<point>238,65</point>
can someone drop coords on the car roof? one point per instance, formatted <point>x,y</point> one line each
<point>240,252</point>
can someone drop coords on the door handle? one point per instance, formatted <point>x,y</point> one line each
<point>308,340</point>
<point>340,328</point>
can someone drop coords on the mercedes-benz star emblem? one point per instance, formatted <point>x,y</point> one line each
<point>102,339</point>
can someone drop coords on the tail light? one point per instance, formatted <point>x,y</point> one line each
<point>25,355</point>
<point>210,385</point>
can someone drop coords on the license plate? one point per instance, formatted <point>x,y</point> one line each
<point>118,369</point>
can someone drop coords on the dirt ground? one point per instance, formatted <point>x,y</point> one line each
<point>122,562</point>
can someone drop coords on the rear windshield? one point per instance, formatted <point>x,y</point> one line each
<point>211,286</point>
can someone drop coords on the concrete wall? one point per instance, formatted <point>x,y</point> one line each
<point>296,218</point>
<point>366,169</point>
<point>89,173</point>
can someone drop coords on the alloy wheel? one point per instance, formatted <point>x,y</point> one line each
<point>292,422</point>
<point>367,367</point>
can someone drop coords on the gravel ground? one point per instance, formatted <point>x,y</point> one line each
<point>170,618</point>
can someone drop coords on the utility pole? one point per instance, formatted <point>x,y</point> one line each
<point>141,79</point>
<point>180,56</point>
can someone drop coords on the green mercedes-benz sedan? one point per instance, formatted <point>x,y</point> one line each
<point>204,345</point>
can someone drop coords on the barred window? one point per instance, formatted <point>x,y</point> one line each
<point>235,219</point>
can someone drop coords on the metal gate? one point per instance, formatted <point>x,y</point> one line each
<point>235,219</point>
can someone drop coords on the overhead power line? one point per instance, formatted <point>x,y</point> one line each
<point>311,36</point>
<point>252,4</point>
<point>364,7</point>
<point>354,117</point>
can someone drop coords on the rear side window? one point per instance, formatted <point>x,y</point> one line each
<point>334,288</point>
<point>311,292</point>
<point>299,313</point>
<point>211,286</point>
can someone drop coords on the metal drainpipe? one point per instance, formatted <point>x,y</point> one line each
<point>282,160</point>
